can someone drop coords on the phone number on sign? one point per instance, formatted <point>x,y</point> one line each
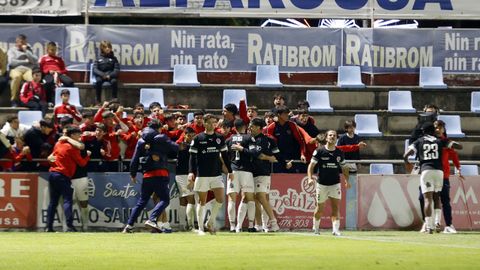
<point>295,223</point>
<point>15,3</point>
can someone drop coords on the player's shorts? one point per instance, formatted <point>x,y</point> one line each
<point>182,182</point>
<point>205,183</point>
<point>431,181</point>
<point>325,192</point>
<point>242,181</point>
<point>80,189</point>
<point>262,183</point>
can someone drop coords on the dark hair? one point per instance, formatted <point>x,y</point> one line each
<point>65,92</point>
<point>169,116</point>
<point>153,105</point>
<point>209,116</point>
<point>280,96</point>
<point>348,124</point>
<point>189,130</point>
<point>428,128</point>
<point>303,104</point>
<point>139,105</point>
<point>66,120</point>
<point>269,114</point>
<point>45,122</point>
<point>257,122</point>
<point>442,124</point>
<point>11,117</point>
<point>51,44</point>
<point>431,106</point>
<point>231,108</point>
<point>302,111</point>
<point>22,37</point>
<point>72,130</point>
<point>282,109</point>
<point>225,123</point>
<point>155,124</point>
<point>102,127</point>
<point>135,115</point>
<point>238,124</point>
<point>253,108</point>
<point>200,112</point>
<point>36,70</point>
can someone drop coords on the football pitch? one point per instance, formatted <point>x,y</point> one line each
<point>284,250</point>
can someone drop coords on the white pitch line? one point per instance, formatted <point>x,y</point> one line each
<point>383,240</point>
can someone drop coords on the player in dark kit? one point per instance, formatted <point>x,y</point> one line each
<point>331,162</point>
<point>205,169</point>
<point>429,152</point>
<point>152,152</point>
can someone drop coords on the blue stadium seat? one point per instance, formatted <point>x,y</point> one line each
<point>367,125</point>
<point>234,96</point>
<point>93,79</point>
<point>350,77</point>
<point>185,75</point>
<point>381,168</point>
<point>149,95</point>
<point>319,101</point>
<point>74,96</point>
<point>412,157</point>
<point>468,169</point>
<point>189,117</point>
<point>268,76</point>
<point>400,101</point>
<point>452,125</point>
<point>475,102</point>
<point>28,118</point>
<point>431,77</point>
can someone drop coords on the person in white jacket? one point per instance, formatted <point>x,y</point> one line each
<point>13,128</point>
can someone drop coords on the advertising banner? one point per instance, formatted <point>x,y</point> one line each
<point>49,8</point>
<point>18,200</point>
<point>391,202</point>
<point>294,203</point>
<point>360,9</point>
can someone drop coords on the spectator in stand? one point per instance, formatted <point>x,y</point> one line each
<point>156,111</point>
<point>21,155</point>
<point>54,72</point>
<point>106,69</point>
<point>3,71</point>
<point>291,141</point>
<point>87,122</point>
<point>13,128</point>
<point>170,127</point>
<point>66,108</point>
<point>181,120</point>
<point>131,137</point>
<point>304,120</point>
<point>94,142</point>
<point>6,150</point>
<point>252,112</point>
<point>33,95</point>
<point>350,144</point>
<point>225,128</point>
<point>40,140</point>
<point>139,108</point>
<point>269,118</point>
<point>278,101</point>
<point>21,61</point>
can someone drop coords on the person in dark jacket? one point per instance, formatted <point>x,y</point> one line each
<point>106,69</point>
<point>152,151</point>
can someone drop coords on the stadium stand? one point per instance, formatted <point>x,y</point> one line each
<point>350,77</point>
<point>74,96</point>
<point>233,96</point>
<point>367,125</point>
<point>268,76</point>
<point>468,169</point>
<point>185,75</point>
<point>475,102</point>
<point>319,101</point>
<point>381,168</point>
<point>453,125</point>
<point>432,77</point>
<point>400,101</point>
<point>28,118</point>
<point>149,95</point>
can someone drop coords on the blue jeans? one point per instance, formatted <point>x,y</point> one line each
<point>159,185</point>
<point>59,185</point>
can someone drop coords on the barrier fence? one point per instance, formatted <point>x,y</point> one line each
<point>373,202</point>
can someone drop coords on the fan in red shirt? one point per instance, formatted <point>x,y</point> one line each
<point>32,94</point>
<point>54,71</point>
<point>66,158</point>
<point>131,137</point>
<point>65,109</point>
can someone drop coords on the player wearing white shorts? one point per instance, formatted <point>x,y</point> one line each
<point>205,168</point>
<point>263,151</point>
<point>185,188</point>
<point>331,163</point>
<point>242,179</point>
<point>429,152</point>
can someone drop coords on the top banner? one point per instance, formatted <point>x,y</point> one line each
<point>40,7</point>
<point>360,9</point>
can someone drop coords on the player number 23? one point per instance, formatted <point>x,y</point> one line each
<point>430,151</point>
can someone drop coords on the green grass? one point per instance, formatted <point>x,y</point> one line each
<point>354,250</point>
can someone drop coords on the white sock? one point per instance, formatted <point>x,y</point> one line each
<point>200,216</point>
<point>251,213</point>
<point>231,213</point>
<point>316,223</point>
<point>215,208</point>
<point>242,212</point>
<point>190,214</point>
<point>84,217</point>
<point>336,225</point>
<point>438,216</point>
<point>428,221</point>
<point>265,218</point>
<point>182,215</point>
